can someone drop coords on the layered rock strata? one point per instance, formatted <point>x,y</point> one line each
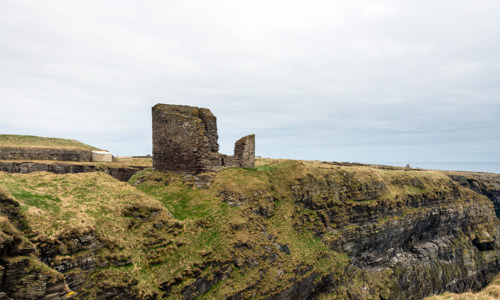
<point>73,262</point>
<point>407,236</point>
<point>287,230</point>
<point>22,274</point>
<point>45,154</point>
<point>487,184</point>
<point>120,173</point>
<point>429,243</point>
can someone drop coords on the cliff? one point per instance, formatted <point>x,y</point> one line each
<point>37,142</point>
<point>284,230</point>
<point>121,172</point>
<point>487,184</point>
<point>45,154</point>
<point>22,274</point>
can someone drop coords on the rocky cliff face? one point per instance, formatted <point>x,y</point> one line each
<point>286,230</point>
<point>22,274</point>
<point>120,173</point>
<point>7,153</point>
<point>487,184</point>
<point>435,237</point>
<point>51,253</point>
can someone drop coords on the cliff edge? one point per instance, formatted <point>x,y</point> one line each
<point>284,230</point>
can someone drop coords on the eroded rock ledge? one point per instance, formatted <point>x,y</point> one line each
<point>25,167</point>
<point>363,233</point>
<point>8,153</point>
<point>487,184</point>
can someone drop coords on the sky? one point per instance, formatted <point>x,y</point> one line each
<point>389,82</point>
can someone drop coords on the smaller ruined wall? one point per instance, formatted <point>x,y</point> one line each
<point>45,154</point>
<point>244,151</point>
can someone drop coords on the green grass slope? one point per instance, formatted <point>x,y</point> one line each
<point>238,232</point>
<point>72,205</point>
<point>234,239</point>
<point>29,141</point>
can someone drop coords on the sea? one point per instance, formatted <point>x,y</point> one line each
<point>488,167</point>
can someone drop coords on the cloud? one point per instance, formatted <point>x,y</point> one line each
<point>330,80</point>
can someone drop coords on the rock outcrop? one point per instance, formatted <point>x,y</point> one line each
<point>76,261</point>
<point>22,274</point>
<point>429,242</point>
<point>284,230</point>
<point>436,238</point>
<point>185,140</point>
<point>45,154</point>
<point>487,184</point>
<point>120,173</point>
<point>406,234</point>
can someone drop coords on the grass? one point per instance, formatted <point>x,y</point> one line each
<point>79,198</point>
<point>183,202</point>
<point>491,292</point>
<point>135,161</point>
<point>29,141</point>
<point>177,233</point>
<point>11,235</point>
<point>91,202</point>
<point>42,202</point>
<point>232,234</point>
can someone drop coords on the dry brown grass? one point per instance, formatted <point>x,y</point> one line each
<point>91,200</point>
<point>398,181</point>
<point>4,193</point>
<point>28,141</point>
<point>134,161</point>
<point>491,292</point>
<point>211,230</point>
<point>58,204</point>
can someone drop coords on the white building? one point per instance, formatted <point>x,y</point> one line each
<point>102,156</point>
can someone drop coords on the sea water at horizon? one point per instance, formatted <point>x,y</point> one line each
<point>493,167</point>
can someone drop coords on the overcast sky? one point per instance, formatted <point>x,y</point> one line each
<point>371,81</point>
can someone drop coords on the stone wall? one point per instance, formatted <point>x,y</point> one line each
<point>123,173</point>
<point>185,140</point>
<point>244,151</point>
<point>45,154</point>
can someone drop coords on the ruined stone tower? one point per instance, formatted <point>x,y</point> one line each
<point>185,140</point>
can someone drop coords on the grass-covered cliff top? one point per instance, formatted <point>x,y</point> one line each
<point>135,161</point>
<point>256,229</point>
<point>29,141</point>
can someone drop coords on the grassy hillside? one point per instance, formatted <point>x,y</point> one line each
<point>235,232</point>
<point>172,231</point>
<point>230,235</point>
<point>57,206</point>
<point>135,161</point>
<point>28,141</point>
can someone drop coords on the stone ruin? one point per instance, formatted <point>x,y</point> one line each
<point>185,140</point>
